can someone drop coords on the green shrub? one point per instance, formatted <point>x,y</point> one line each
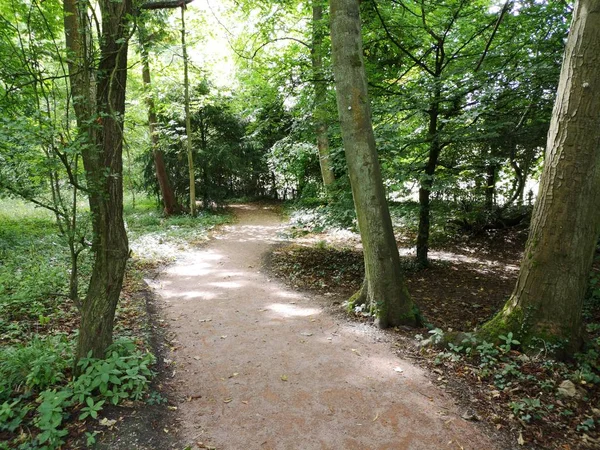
<point>40,367</point>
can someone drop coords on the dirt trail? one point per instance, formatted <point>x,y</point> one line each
<point>259,366</point>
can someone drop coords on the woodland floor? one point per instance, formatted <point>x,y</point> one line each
<point>258,352</point>
<point>254,364</point>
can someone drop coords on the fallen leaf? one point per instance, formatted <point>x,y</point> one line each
<point>356,351</point>
<point>245,402</point>
<point>224,336</point>
<point>227,400</point>
<point>107,422</point>
<point>233,375</point>
<point>398,369</point>
<point>520,440</point>
<point>172,408</point>
<point>376,417</point>
<point>284,378</point>
<point>306,333</point>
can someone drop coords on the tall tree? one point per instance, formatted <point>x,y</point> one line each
<point>97,59</point>
<point>98,90</point>
<point>432,57</point>
<point>384,289</point>
<point>188,126</point>
<point>320,112</point>
<point>548,297</point>
<point>166,190</point>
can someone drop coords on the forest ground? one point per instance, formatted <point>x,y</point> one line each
<point>258,352</point>
<point>257,365</point>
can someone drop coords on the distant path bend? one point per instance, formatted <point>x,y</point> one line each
<point>260,366</point>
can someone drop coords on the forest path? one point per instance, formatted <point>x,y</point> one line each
<point>260,366</point>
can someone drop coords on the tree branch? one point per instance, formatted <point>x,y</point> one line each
<point>420,63</point>
<point>165,4</point>
<point>278,39</point>
<point>504,10</point>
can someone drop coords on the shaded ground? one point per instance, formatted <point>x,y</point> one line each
<point>151,425</point>
<point>457,295</point>
<point>257,365</point>
<point>463,288</point>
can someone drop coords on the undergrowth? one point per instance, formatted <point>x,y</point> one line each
<point>42,405</point>
<point>527,386</point>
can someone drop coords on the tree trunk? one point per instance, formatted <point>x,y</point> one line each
<point>425,189</point>
<point>490,187</point>
<point>99,108</point>
<point>386,291</point>
<point>320,92</point>
<point>166,191</point>
<point>188,125</point>
<point>548,297</point>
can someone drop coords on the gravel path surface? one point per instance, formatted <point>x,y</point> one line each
<point>260,366</point>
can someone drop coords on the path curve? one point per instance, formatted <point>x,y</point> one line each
<point>260,366</point>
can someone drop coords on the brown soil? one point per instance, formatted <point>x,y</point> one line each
<point>257,365</point>
<point>465,285</point>
<point>456,294</point>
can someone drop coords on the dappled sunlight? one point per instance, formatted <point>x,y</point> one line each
<point>438,255</point>
<point>348,239</point>
<point>288,294</point>
<point>198,263</point>
<point>193,270</point>
<point>289,310</point>
<point>226,284</point>
<point>246,341</point>
<point>250,233</point>
<point>189,295</point>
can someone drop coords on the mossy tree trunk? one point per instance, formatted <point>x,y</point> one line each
<point>384,289</point>
<point>98,92</point>
<point>548,297</point>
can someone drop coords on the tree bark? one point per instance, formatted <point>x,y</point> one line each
<point>548,297</point>
<point>386,292</point>
<point>166,191</point>
<point>490,187</point>
<point>99,106</point>
<point>435,149</point>
<point>188,124</point>
<point>320,92</point>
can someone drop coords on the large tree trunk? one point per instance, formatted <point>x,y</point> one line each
<point>166,191</point>
<point>320,92</point>
<point>384,290</point>
<point>99,107</point>
<point>548,297</point>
